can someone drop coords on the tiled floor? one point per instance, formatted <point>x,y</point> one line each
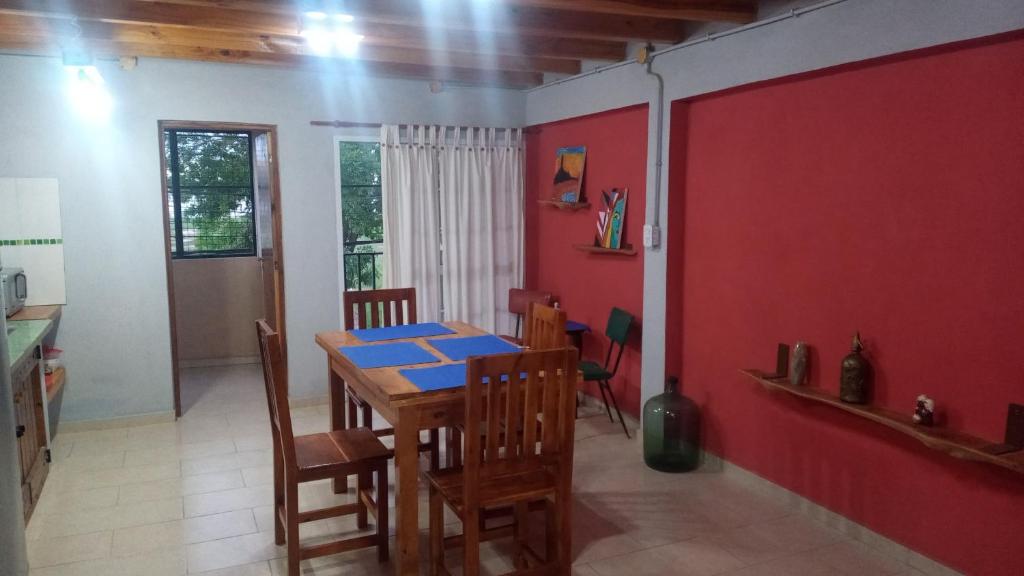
<point>194,497</point>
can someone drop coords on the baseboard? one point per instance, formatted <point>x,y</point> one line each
<point>122,422</point>
<point>863,534</point>
<point>208,362</point>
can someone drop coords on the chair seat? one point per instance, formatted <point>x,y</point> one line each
<point>500,485</point>
<point>328,454</point>
<point>594,371</point>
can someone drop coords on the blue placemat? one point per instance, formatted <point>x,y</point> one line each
<point>442,377</point>
<point>398,332</point>
<point>393,354</point>
<point>436,377</point>
<point>573,326</point>
<point>461,348</point>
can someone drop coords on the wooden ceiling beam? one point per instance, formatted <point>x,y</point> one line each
<point>738,11</point>
<point>183,39</point>
<point>453,74</point>
<point>277,17</point>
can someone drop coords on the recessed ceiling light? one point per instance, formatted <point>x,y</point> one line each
<point>344,18</point>
<point>315,15</point>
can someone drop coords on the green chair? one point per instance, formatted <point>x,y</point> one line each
<point>617,331</point>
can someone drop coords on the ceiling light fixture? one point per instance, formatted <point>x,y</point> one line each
<point>329,33</point>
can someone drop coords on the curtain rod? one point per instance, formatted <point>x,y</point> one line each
<point>347,124</point>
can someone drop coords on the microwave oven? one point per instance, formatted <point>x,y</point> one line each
<point>14,284</point>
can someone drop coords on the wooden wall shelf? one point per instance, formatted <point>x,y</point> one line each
<point>627,251</point>
<point>953,443</point>
<point>565,205</point>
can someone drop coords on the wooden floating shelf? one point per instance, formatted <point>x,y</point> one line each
<point>54,382</point>
<point>565,205</point>
<point>627,251</point>
<point>955,444</point>
<point>37,313</point>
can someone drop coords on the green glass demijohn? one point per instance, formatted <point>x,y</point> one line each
<point>672,431</point>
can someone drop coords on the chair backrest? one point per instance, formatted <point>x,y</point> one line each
<point>511,393</point>
<point>379,308</point>
<point>519,301</point>
<point>545,328</point>
<point>619,322</point>
<point>276,382</point>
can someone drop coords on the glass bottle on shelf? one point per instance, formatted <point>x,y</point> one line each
<point>671,431</point>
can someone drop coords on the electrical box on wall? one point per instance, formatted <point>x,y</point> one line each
<point>652,236</point>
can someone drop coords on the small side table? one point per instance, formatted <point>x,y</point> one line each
<point>576,331</point>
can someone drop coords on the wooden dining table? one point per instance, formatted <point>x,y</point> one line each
<point>408,409</point>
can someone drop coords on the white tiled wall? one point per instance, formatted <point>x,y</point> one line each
<point>30,211</point>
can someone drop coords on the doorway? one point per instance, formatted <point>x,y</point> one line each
<point>224,255</point>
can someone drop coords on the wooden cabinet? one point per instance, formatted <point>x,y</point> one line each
<point>31,430</point>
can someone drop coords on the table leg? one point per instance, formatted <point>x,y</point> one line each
<point>336,393</point>
<point>407,499</point>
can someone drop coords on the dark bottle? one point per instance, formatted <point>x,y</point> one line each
<point>855,377</point>
<point>672,431</point>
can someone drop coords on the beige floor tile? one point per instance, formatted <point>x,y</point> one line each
<point>91,461</point>
<point>184,486</point>
<point>258,475</point>
<point>236,551</point>
<point>258,569</point>
<point>68,549</point>
<point>228,500</point>
<point>100,519</point>
<point>112,477</point>
<point>164,563</point>
<point>802,564</point>
<point>856,559</point>
<point>769,540</point>
<point>52,502</point>
<point>182,532</point>
<point>687,558</point>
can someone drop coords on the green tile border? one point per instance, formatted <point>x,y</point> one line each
<point>32,242</point>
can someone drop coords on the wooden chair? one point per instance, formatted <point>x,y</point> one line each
<point>377,309</point>
<point>545,327</point>
<point>512,469</point>
<point>617,331</point>
<point>335,454</point>
<point>519,301</point>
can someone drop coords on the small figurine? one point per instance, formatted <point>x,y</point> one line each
<point>798,365</point>
<point>855,377</point>
<point>925,412</point>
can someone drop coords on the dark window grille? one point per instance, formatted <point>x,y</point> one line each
<point>210,193</point>
<point>362,216</point>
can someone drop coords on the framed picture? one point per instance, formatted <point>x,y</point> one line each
<point>569,166</point>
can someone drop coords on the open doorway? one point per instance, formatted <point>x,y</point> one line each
<point>222,223</point>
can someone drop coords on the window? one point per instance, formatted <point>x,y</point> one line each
<point>362,216</point>
<point>210,193</point>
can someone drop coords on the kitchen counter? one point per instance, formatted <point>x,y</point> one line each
<point>27,334</point>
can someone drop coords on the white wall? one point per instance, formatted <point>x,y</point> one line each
<point>838,32</point>
<point>115,327</point>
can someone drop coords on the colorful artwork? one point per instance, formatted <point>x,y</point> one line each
<point>611,219</point>
<point>569,173</point>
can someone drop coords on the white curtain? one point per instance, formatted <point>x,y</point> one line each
<point>481,185</point>
<point>464,186</point>
<point>410,205</point>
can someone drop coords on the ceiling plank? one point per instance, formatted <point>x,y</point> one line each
<point>504,19</point>
<point>453,74</point>
<point>738,11</point>
<point>66,32</point>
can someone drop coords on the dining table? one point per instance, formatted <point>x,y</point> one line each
<point>407,408</point>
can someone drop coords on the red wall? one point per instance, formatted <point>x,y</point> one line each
<point>886,197</point>
<point>589,285</point>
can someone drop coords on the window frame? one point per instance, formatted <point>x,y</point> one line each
<point>358,135</point>
<point>177,251</point>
